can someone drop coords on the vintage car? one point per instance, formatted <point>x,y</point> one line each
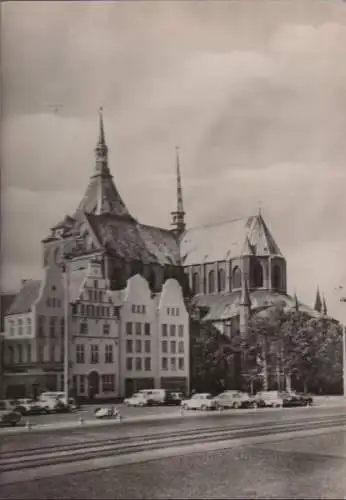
<point>7,415</point>
<point>106,412</point>
<point>234,399</point>
<point>202,401</point>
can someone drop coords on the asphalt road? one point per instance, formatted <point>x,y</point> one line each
<point>293,453</point>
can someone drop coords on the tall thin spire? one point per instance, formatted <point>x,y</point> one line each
<point>101,150</point>
<point>296,302</point>
<point>178,217</point>
<point>324,309</point>
<point>318,301</point>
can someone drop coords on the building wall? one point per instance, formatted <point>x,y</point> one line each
<point>138,337</point>
<point>94,333</point>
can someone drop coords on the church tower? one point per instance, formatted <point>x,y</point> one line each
<point>178,217</point>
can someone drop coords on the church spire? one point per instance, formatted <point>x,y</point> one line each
<point>178,217</point>
<point>296,302</point>
<point>324,309</point>
<point>101,150</point>
<point>318,301</point>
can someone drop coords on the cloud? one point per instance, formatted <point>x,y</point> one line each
<point>254,94</point>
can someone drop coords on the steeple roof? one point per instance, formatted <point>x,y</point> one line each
<point>101,195</point>
<point>318,301</point>
<point>324,309</point>
<point>179,215</point>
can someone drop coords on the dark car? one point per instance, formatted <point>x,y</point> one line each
<point>7,415</point>
<point>174,398</point>
<point>293,398</point>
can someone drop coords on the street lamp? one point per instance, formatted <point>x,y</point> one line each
<point>64,269</point>
<point>343,299</point>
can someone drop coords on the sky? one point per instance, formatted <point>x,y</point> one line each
<point>254,93</point>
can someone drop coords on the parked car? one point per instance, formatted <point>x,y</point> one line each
<point>203,401</point>
<point>293,398</point>
<point>106,412</point>
<point>174,398</point>
<point>7,415</point>
<point>29,406</point>
<point>273,399</point>
<point>234,399</point>
<point>137,399</point>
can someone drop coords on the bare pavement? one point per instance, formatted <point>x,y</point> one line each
<point>278,453</point>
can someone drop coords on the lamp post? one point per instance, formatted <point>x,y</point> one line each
<point>64,269</point>
<point>343,299</point>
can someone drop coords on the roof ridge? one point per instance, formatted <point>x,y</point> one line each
<point>245,217</point>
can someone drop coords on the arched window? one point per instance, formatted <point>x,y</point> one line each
<point>221,280</point>
<point>211,282</point>
<point>276,277</point>
<point>257,275</point>
<point>236,277</point>
<point>195,283</point>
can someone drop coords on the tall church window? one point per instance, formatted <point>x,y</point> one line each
<point>211,282</point>
<point>221,280</point>
<point>276,277</point>
<point>257,274</point>
<point>195,283</point>
<point>236,277</point>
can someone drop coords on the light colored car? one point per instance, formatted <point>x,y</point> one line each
<point>203,401</point>
<point>29,406</point>
<point>106,412</point>
<point>7,415</point>
<point>137,399</point>
<point>234,399</point>
<point>272,399</point>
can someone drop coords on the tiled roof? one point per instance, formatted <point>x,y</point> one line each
<point>102,196</point>
<point>6,300</point>
<point>227,240</point>
<point>225,306</point>
<point>76,279</point>
<point>132,241</point>
<point>25,298</point>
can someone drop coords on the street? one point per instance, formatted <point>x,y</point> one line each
<point>293,453</point>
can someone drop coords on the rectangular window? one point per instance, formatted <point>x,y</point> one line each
<point>144,309</point>
<point>164,346</point>
<point>28,322</point>
<point>108,312</point>
<point>129,345</point>
<point>138,328</point>
<point>138,364</point>
<point>52,353</point>
<point>181,363</point>
<point>116,311</point>
<point>164,364</point>
<point>133,308</point>
<point>40,326</point>
<point>28,353</point>
<point>82,309</point>
<point>10,354</point>
<point>20,353</point>
<point>95,283</point>
<point>81,384</point>
<point>80,354</point>
<point>109,353</point>
<point>147,364</point>
<point>173,346</point>
<point>108,383</point>
<point>147,329</point>
<point>94,358</point>
<point>138,345</point>
<point>181,330</point>
<point>84,327</point>
<point>20,327</point>
<point>40,354</point>
<point>129,328</point>
<point>74,308</point>
<point>90,295</point>
<point>147,346</point>
<point>177,311</point>
<point>11,323</point>
<point>52,322</point>
<point>129,366</point>
<point>106,329</point>
<point>164,330</point>
<point>168,310</point>
<point>172,330</point>
<point>181,346</point>
<point>173,364</point>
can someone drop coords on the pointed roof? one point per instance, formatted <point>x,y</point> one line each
<point>318,301</point>
<point>247,250</point>
<point>101,195</point>
<point>324,309</point>
<point>245,295</point>
<point>178,216</point>
<point>26,297</point>
<point>227,240</point>
<point>296,303</point>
